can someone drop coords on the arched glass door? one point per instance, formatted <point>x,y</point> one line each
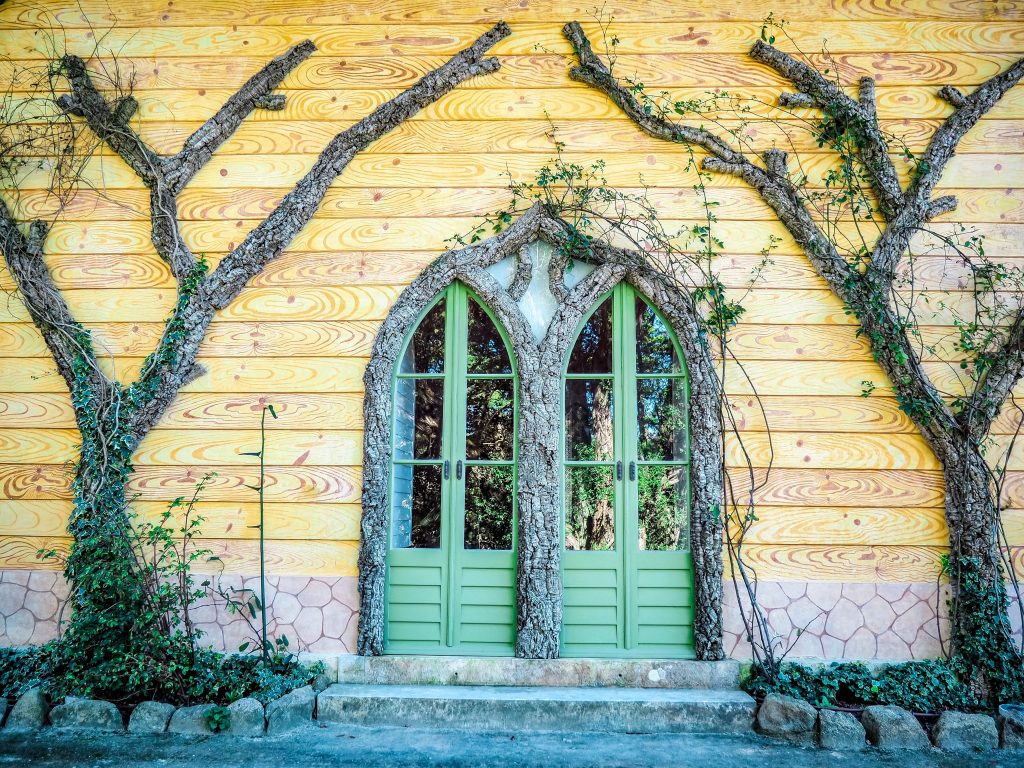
<point>452,561</point>
<point>627,571</point>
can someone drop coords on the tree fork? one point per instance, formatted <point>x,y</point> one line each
<point>113,419</point>
<point>972,512</point>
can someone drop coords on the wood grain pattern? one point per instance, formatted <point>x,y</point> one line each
<point>283,558</point>
<point>799,562</point>
<point>541,70</point>
<point>308,484</point>
<point>120,237</point>
<point>147,13</point>
<point>854,494</point>
<point>199,411</point>
<point>221,520</point>
<point>447,39</point>
<point>662,169</point>
<point>910,526</point>
<point>788,450</point>
<point>675,202</point>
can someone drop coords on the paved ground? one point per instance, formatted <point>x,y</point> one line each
<point>397,747</point>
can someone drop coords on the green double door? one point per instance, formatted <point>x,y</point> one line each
<point>452,557</point>
<point>627,570</point>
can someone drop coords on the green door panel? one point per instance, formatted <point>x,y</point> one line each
<point>450,585</point>
<point>627,590</point>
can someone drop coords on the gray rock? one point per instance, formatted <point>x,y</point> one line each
<point>191,719</point>
<point>784,717</point>
<point>840,731</point>
<point>247,718</point>
<point>322,682</point>
<point>150,717</point>
<point>293,710</point>
<point>962,732</point>
<point>894,728</point>
<point>29,712</point>
<point>1011,726</point>
<point>87,714</point>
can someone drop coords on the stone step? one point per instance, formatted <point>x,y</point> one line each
<point>539,708</point>
<point>468,670</point>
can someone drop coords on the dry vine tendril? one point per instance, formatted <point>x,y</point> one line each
<point>860,230</point>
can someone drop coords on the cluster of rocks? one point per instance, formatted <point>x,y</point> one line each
<point>889,728</point>
<point>246,717</point>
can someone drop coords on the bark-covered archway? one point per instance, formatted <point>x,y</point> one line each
<point>540,352</point>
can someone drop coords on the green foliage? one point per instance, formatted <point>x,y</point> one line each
<point>212,677</point>
<point>218,718</point>
<point>920,686</point>
<point>984,653</point>
<point>21,669</point>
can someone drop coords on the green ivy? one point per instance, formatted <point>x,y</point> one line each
<point>920,686</point>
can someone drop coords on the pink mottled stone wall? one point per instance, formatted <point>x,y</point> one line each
<point>849,620</point>
<point>319,615</point>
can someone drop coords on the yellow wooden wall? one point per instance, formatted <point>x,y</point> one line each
<point>855,495</point>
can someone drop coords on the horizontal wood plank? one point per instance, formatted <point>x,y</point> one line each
<point>529,37</point>
<point>83,14</point>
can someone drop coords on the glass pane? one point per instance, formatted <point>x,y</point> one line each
<point>661,419</point>
<point>425,353</point>
<point>416,514</point>
<point>593,350</point>
<point>538,304</point>
<point>419,414</point>
<point>588,420</point>
<point>486,351</point>
<point>489,496</point>
<point>664,523</point>
<point>655,351</point>
<point>590,508</point>
<point>490,429</point>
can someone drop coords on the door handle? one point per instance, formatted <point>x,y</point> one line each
<point>458,469</point>
<point>632,470</point>
<point>447,469</point>
<point>618,470</point>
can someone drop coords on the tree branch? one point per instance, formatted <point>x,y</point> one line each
<point>195,312</point>
<point>859,116</point>
<point>166,177</point>
<point>270,237</point>
<point>255,94</point>
<point>920,207</point>
<point>996,384</point>
<point>774,188</point>
<point>65,337</point>
<point>110,125</point>
<point>969,110</point>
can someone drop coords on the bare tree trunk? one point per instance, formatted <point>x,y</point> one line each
<point>975,563</point>
<point>114,418</point>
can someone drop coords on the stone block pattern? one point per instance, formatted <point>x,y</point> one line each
<point>885,621</point>
<point>318,615</point>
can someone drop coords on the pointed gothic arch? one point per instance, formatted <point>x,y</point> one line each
<point>513,275</point>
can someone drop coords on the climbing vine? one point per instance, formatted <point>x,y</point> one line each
<point>689,258</point>
<point>866,229</point>
<point>51,120</point>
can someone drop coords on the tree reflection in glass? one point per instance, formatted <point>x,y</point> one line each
<point>489,500</point>
<point>662,511</point>
<point>590,508</point>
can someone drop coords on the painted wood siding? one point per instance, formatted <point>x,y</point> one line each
<point>855,494</point>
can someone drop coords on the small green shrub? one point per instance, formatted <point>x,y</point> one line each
<point>218,719</point>
<point>920,686</point>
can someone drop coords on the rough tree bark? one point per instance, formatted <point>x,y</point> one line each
<point>957,438</point>
<point>114,418</point>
